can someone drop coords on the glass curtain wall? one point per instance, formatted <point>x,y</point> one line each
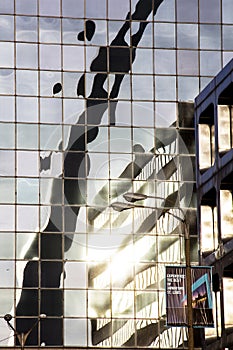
<point>96,100</point>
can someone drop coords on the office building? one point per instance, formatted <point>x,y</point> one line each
<point>96,100</point>
<point>213,126</point>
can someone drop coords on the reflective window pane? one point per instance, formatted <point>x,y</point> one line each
<point>26,55</point>
<point>7,55</point>
<point>49,30</point>
<point>6,28</point>
<point>213,16</point>
<point>26,29</point>
<point>6,81</point>
<point>28,7</point>
<point>187,10</point>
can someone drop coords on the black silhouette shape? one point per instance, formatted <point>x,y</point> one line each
<point>88,32</point>
<point>57,88</point>
<point>81,86</point>
<point>45,162</point>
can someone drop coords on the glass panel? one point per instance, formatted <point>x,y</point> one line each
<point>50,29</point>
<point>26,82</point>
<point>187,10</point>
<point>7,135</point>
<point>100,35</point>
<point>7,247</point>
<point>165,88</point>
<point>27,136</point>
<point>165,114</point>
<point>75,303</point>
<point>26,29</point>
<point>51,110</point>
<point>73,58</point>
<point>98,303</point>
<point>26,7</point>
<point>96,9</point>
<point>77,251</point>
<point>187,62</point>
<point>27,109</point>
<point>6,81</point>
<point>227,8</point>
<point>227,37</point>
<point>143,137</point>
<point>206,15</point>
<point>26,56</point>
<point>27,191</point>
<point>7,55</point>
<point>26,247</point>
<point>7,190</point>
<point>50,57</point>
<point>209,239</point>
<point>72,110</point>
<point>7,217</point>
<point>6,6</point>
<point>51,185</point>
<point>6,28</point>
<point>164,35</point>
<point>188,88</point>
<point>147,38</point>
<point>139,64</point>
<point>52,10</point>
<point>206,145</point>
<point>113,29</point>
<point>70,8</point>
<point>6,303</point>
<point>23,213</point>
<point>27,163</point>
<point>7,272</point>
<point>123,304</point>
<point>70,29</point>
<point>94,196</point>
<point>186,141</point>
<point>100,144</point>
<point>143,114</point>
<point>47,80</point>
<point>7,107</point>
<point>210,64</point>
<point>50,137</point>
<point>76,275</point>
<point>99,166</point>
<point>166,12</point>
<point>147,305</point>
<point>118,10</point>
<point>187,36</point>
<point>224,128</point>
<point>226,213</point>
<point>210,37</point>
<point>142,87</point>
<point>119,167</point>
<point>75,332</point>
<point>165,61</point>
<point>227,287</point>
<point>7,163</point>
<point>120,140</point>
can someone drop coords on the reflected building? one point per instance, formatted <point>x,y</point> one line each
<point>213,124</point>
<point>96,100</point>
